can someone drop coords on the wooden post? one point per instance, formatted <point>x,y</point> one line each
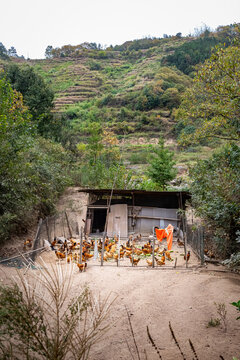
<point>81,245</point>
<point>69,228</point>
<point>33,255</point>
<point>132,253</point>
<point>175,264</point>
<point>63,228</point>
<point>185,246</point>
<point>37,233</point>
<point>47,228</point>
<point>54,227</point>
<point>202,246</point>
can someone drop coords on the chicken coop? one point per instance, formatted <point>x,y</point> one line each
<point>132,211</point>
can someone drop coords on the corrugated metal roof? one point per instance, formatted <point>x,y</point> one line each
<point>130,192</point>
<point>164,199</point>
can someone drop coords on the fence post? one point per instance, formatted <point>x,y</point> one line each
<point>118,259</point>
<point>202,246</point>
<point>69,228</point>
<point>47,228</point>
<point>36,239</point>
<point>103,245</point>
<point>81,243</point>
<point>153,251</point>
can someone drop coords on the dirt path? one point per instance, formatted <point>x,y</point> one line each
<point>156,296</point>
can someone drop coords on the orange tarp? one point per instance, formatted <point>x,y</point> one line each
<point>165,233</point>
<point>161,234</point>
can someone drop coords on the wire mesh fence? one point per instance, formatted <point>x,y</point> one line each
<point>195,238</point>
<point>58,225</point>
<point>65,226</point>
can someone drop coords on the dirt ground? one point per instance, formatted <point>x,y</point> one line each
<point>155,297</point>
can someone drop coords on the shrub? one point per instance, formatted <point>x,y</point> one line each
<point>39,320</point>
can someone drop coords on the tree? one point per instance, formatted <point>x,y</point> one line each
<point>12,52</point>
<point>33,171</point>
<point>161,169</point>
<point>3,52</point>
<point>100,162</point>
<point>215,192</point>
<point>37,95</point>
<point>48,52</point>
<point>179,35</point>
<point>212,104</point>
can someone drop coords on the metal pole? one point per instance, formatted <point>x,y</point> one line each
<point>103,244</point>
<point>118,262</point>
<point>153,248</point>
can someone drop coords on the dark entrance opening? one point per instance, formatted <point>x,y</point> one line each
<point>99,220</point>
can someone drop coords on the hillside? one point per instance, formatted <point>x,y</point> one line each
<point>93,117</point>
<point>131,90</point>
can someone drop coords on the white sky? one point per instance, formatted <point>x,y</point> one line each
<point>31,25</point>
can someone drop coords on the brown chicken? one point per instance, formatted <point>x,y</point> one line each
<point>28,243</point>
<point>134,261</point>
<point>113,249</point>
<point>128,248</point>
<point>109,255</point>
<point>168,256</point>
<point>82,267</point>
<point>160,262</point>
<point>87,255</point>
<point>188,256</point>
<point>137,251</point>
<point>115,256</point>
<point>75,256</point>
<point>149,262</point>
<point>69,258</point>
<point>122,254</point>
<point>146,250</point>
<point>105,258</point>
<point>156,250</point>
<point>128,253</point>
<point>180,243</point>
<point>60,255</point>
<point>148,244</point>
<point>54,242</point>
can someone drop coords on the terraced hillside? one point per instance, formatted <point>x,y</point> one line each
<point>87,78</point>
<point>129,90</point>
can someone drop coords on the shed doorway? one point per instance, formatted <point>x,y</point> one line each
<point>98,221</point>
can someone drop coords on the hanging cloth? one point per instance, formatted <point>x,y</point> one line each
<point>160,234</point>
<point>165,233</point>
<point>169,230</point>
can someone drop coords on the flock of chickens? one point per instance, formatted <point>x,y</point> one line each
<point>134,249</point>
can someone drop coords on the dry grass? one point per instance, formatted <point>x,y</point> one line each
<point>40,321</point>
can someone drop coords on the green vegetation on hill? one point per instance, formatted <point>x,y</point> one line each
<point>110,108</point>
